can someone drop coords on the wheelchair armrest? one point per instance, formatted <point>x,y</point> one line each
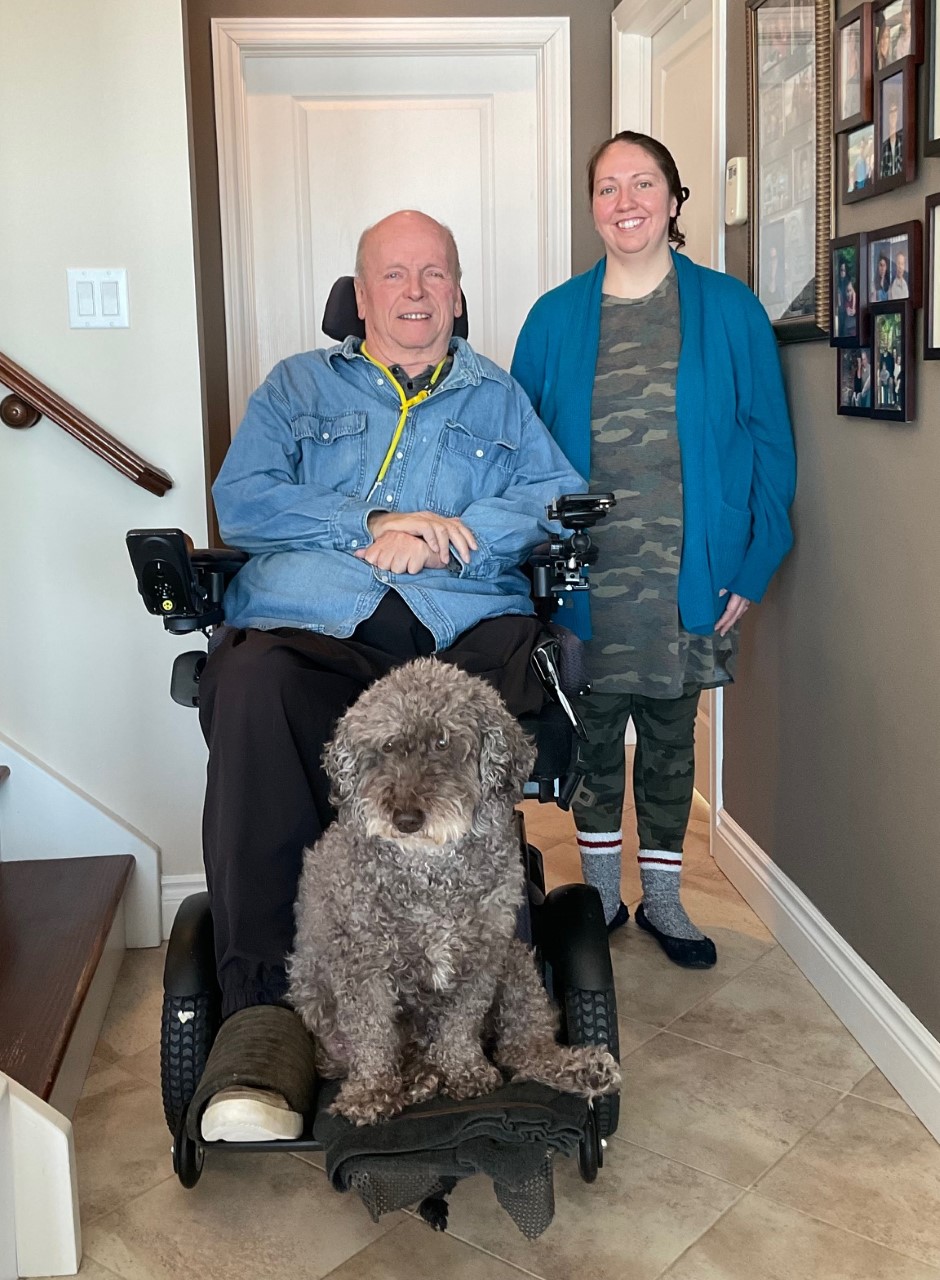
<point>184,587</point>
<point>561,566</point>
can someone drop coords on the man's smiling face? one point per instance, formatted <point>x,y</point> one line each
<point>408,291</point>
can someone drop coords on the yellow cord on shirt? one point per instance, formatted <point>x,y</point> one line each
<point>406,404</point>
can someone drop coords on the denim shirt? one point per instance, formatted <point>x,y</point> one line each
<point>293,491</point>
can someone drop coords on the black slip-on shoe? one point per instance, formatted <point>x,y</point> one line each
<point>687,952</point>
<point>619,918</point>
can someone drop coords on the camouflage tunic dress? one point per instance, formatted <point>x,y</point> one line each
<point>639,645</point>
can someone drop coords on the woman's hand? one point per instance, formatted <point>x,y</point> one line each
<point>737,608</point>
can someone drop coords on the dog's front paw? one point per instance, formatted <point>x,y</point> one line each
<point>422,1085</point>
<point>364,1101</point>
<point>588,1070</point>
<point>472,1080</point>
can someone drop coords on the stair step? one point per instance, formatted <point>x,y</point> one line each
<point>55,916</point>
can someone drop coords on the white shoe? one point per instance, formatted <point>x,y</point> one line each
<point>249,1115</point>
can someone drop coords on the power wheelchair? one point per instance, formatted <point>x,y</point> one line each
<point>185,587</point>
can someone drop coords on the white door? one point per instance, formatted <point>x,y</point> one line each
<point>331,139</point>
<point>681,89</point>
<point>668,81</point>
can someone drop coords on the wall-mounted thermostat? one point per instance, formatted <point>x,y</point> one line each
<point>736,191</point>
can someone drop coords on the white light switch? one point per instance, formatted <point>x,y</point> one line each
<point>97,297</point>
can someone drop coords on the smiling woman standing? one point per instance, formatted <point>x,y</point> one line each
<point>661,382</point>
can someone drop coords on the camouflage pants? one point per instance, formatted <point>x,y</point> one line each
<point>663,767</point>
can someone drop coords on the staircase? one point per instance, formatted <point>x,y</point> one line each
<point>62,941</point>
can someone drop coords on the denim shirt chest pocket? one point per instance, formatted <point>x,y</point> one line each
<point>332,450</point>
<point>467,467</point>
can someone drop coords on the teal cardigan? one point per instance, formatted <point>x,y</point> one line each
<point>735,438</point>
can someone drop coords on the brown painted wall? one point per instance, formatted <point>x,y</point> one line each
<point>590,124</point>
<point>832,734</point>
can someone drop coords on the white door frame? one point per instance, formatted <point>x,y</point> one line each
<point>234,40</point>
<point>633,25</point>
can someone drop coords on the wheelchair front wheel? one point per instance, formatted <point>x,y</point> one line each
<point>590,1157</point>
<point>188,1156</point>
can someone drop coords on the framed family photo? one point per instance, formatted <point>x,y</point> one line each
<point>857,175</point>
<point>895,128</point>
<point>893,361</point>
<point>932,282</point>
<point>899,31</point>
<point>789,58</point>
<point>893,256</point>
<point>852,69</point>
<point>848,276</point>
<point>854,382</point>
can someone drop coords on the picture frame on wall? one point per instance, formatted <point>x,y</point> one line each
<point>898,32</point>
<point>932,139</point>
<point>854,382</point>
<point>857,169</point>
<point>893,372</point>
<point>895,127</point>
<point>852,69</point>
<point>893,255</point>
<point>932,278</point>
<point>789,56</point>
<point>848,276</point>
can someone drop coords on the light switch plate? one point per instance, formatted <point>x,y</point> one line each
<point>97,297</point>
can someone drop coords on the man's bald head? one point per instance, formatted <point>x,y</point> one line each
<point>409,218</point>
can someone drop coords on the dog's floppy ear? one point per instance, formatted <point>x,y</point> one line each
<point>339,760</point>
<point>506,756</point>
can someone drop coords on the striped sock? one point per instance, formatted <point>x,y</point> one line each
<point>600,865</point>
<point>660,870</point>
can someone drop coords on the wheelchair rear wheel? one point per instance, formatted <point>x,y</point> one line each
<point>188,1028</point>
<point>590,1017</point>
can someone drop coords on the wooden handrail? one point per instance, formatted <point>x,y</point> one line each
<point>31,399</point>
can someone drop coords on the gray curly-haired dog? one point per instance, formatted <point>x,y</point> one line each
<point>405,958</point>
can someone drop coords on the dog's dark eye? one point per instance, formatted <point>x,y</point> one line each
<point>388,747</point>
<point>442,743</point>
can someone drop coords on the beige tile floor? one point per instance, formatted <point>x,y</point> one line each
<point>757,1142</point>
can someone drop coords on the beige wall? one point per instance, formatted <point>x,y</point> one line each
<point>832,734</point>
<point>93,146</point>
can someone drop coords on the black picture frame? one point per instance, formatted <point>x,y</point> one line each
<point>892,338</point>
<point>854,384</point>
<point>895,99</point>
<point>852,70</point>
<point>789,57</point>
<point>931,278</point>
<point>848,276</point>
<point>890,242</point>
<point>888,17</point>
<point>857,165</point>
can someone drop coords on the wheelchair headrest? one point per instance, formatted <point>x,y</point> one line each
<point>341,319</point>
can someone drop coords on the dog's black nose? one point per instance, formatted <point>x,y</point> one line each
<point>408,820</point>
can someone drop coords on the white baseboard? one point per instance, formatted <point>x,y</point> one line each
<point>174,889</point>
<point>900,1045</point>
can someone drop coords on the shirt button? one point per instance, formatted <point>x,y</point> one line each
<point>399,455</point>
<point>389,498</point>
<point>354,543</point>
<point>378,382</point>
<point>324,435</point>
<point>479,453</point>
